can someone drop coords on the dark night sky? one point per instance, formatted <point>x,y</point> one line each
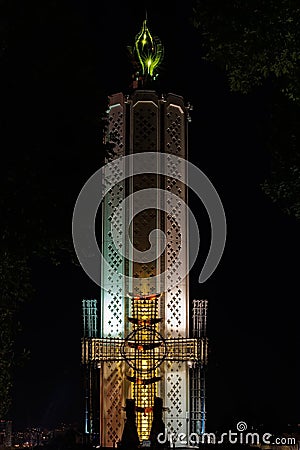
<point>63,58</point>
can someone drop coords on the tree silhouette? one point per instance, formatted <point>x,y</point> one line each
<point>257,43</point>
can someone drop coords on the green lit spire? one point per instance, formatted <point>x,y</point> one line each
<point>147,53</point>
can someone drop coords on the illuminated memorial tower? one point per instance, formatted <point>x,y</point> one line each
<point>144,346</point>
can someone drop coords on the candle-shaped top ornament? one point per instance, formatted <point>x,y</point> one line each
<point>147,54</point>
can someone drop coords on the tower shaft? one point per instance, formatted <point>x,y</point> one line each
<point>144,348</point>
<point>141,123</point>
